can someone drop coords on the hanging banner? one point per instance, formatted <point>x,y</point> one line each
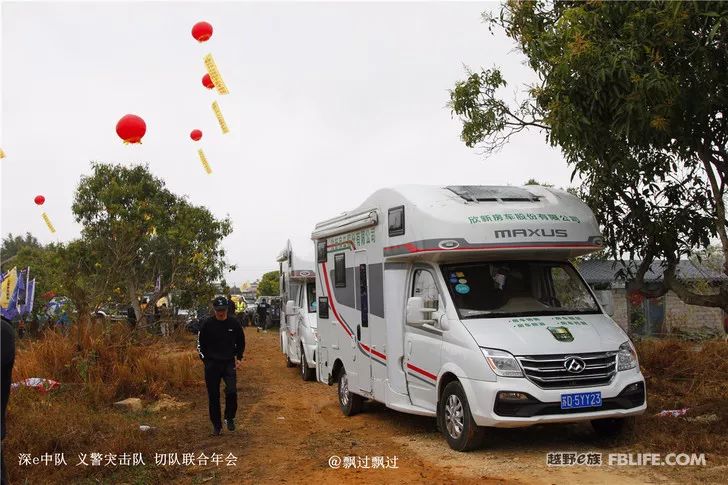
<point>48,223</point>
<point>220,119</point>
<point>203,159</point>
<point>10,280</point>
<point>215,75</point>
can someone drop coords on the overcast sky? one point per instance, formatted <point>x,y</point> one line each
<point>328,102</point>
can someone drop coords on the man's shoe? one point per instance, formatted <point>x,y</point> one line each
<point>230,424</point>
<point>216,431</point>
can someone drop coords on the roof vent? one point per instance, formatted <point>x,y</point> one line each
<point>492,193</point>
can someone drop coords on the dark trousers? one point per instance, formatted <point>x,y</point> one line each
<point>214,371</point>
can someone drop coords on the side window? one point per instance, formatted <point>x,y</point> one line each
<point>423,285</point>
<point>321,253</point>
<point>323,307</point>
<point>396,221</point>
<point>340,270</point>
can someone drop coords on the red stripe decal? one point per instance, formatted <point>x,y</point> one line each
<point>371,350</point>
<point>421,371</point>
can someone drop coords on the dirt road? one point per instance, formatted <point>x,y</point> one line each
<point>288,430</point>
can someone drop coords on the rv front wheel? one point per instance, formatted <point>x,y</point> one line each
<point>455,420</point>
<point>349,402</point>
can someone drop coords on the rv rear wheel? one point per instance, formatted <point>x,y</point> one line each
<point>455,420</point>
<point>349,402</point>
<point>306,373</point>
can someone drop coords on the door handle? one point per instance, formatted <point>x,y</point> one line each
<point>358,333</point>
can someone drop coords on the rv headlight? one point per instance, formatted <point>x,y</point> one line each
<point>502,363</point>
<point>626,357</point>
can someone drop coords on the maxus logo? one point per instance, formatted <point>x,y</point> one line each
<point>505,233</point>
<point>448,244</point>
<point>574,365</point>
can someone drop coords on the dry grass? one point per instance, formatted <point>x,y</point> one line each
<point>679,375</point>
<point>104,365</point>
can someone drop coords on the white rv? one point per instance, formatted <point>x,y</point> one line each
<point>298,334</point>
<point>460,303</point>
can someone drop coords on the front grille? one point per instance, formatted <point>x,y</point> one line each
<point>548,371</point>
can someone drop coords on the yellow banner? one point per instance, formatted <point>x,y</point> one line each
<point>220,119</point>
<point>204,161</point>
<point>215,75</point>
<point>48,223</point>
<point>8,287</point>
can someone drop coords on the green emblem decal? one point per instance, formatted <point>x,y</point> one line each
<point>562,334</point>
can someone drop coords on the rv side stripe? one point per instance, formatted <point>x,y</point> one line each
<point>411,374</point>
<point>371,350</point>
<point>421,371</point>
<point>412,248</point>
<point>331,301</point>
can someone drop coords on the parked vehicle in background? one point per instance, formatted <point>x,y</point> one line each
<point>460,303</point>
<point>298,334</point>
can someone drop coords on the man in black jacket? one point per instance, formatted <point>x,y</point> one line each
<point>220,341</point>
<point>7,338</point>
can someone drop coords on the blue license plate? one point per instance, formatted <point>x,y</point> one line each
<point>581,400</point>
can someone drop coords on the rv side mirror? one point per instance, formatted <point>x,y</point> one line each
<point>290,308</point>
<point>416,311</point>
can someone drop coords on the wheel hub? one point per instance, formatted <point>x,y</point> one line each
<point>454,416</point>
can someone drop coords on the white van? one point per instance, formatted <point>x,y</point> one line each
<point>298,334</point>
<point>461,303</point>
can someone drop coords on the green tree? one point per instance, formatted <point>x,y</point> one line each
<point>143,231</point>
<point>635,95</point>
<point>11,245</point>
<point>268,285</point>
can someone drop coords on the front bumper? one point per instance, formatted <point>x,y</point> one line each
<point>544,405</point>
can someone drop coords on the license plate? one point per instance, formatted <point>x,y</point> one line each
<point>581,400</point>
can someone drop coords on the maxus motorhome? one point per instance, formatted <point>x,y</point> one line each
<point>460,303</point>
<point>298,333</point>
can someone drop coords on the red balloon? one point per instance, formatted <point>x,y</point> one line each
<point>207,82</point>
<point>202,31</point>
<point>196,135</point>
<point>131,129</point>
<point>39,199</point>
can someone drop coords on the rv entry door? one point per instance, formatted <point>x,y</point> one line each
<point>363,362</point>
<point>423,341</point>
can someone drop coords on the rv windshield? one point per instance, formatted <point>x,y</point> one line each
<point>517,288</point>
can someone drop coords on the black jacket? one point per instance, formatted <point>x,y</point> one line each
<point>220,339</point>
<point>8,359</point>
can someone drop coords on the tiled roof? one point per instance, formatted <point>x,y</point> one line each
<point>605,271</point>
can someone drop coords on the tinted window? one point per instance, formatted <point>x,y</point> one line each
<point>339,271</point>
<point>396,221</point>
<point>321,253</point>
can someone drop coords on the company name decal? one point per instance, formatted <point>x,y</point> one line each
<point>522,216</point>
<point>506,233</point>
<point>538,322</point>
<point>351,240</point>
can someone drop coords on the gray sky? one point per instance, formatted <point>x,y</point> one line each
<point>328,102</point>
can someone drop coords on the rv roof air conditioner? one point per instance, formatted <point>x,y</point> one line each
<point>492,193</point>
<point>344,224</point>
